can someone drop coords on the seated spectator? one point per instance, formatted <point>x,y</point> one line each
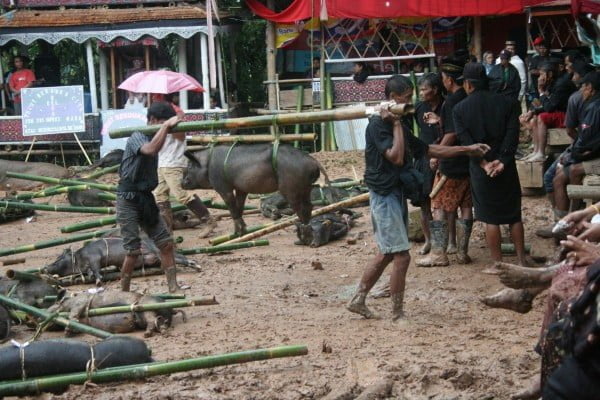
<point>488,61</point>
<point>504,77</point>
<point>313,71</point>
<point>361,72</point>
<point>585,155</point>
<point>549,112</point>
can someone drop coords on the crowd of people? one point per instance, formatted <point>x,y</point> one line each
<point>462,167</point>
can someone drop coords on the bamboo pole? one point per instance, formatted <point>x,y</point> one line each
<point>224,247</point>
<point>13,261</point>
<point>169,296</point>
<point>107,196</point>
<point>52,192</point>
<point>203,301</point>
<point>291,221</point>
<point>329,105</point>
<point>338,114</point>
<point>104,171</point>
<point>61,181</point>
<point>108,277</point>
<point>67,323</point>
<point>104,221</point>
<point>223,206</point>
<point>224,238</point>
<point>131,372</point>
<point>21,276</point>
<point>56,207</point>
<point>207,139</point>
<point>51,243</point>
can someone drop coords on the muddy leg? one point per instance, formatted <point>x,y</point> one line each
<point>519,300</point>
<point>398,283</point>
<point>369,278</point>
<point>493,239</point>
<point>131,259</point>
<point>425,221</point>
<point>451,218</point>
<point>518,236</point>
<point>517,277</point>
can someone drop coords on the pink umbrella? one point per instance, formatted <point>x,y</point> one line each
<point>160,82</point>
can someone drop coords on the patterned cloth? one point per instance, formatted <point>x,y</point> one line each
<point>455,194</point>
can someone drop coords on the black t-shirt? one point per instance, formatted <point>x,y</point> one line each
<point>381,176</point>
<point>427,133</point>
<point>138,172</point>
<point>457,167</point>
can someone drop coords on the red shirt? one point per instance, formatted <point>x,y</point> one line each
<point>19,79</point>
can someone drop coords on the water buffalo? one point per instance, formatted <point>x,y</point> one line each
<point>234,171</point>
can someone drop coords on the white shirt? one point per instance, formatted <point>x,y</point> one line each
<point>171,154</point>
<point>520,66</point>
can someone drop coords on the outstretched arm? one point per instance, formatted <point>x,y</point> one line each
<point>473,150</point>
<point>153,147</point>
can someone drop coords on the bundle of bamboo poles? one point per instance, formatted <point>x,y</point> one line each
<point>339,114</point>
<point>53,242</point>
<point>208,139</point>
<point>101,172</point>
<point>51,192</point>
<point>224,247</point>
<point>34,386</point>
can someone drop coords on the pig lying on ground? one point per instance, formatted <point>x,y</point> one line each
<point>32,168</point>
<point>101,253</point>
<point>111,158</point>
<point>87,198</point>
<point>12,214</point>
<point>185,219</point>
<point>329,227</point>
<point>150,321</point>
<point>63,356</point>
<point>31,293</point>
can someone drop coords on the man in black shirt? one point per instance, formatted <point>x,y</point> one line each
<point>452,179</point>
<point>389,148</point>
<point>136,207</point>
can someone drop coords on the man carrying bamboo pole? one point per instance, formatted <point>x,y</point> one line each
<point>136,206</point>
<point>388,174</point>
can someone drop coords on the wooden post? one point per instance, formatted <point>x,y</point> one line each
<point>210,35</point>
<point>103,80</point>
<point>182,60</point>
<point>477,37</point>
<point>205,78</point>
<point>113,78</point>
<point>233,68</point>
<point>2,87</point>
<point>82,149</point>
<point>271,71</point>
<point>92,75</point>
<point>220,73</point>
<point>583,192</point>
<point>30,148</point>
<point>148,67</point>
<point>431,45</point>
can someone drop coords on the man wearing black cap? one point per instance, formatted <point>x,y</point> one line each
<point>504,77</point>
<point>486,117</point>
<point>452,180</point>
<point>517,62</point>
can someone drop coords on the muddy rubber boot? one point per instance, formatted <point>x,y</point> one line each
<point>166,213</point>
<point>357,305</point>
<point>125,282</point>
<point>397,306</point>
<point>439,244</point>
<point>464,227</point>
<point>199,209</point>
<point>171,274</point>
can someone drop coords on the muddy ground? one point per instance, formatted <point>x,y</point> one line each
<point>450,346</point>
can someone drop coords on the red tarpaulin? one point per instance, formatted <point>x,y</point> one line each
<point>303,9</point>
<point>585,7</point>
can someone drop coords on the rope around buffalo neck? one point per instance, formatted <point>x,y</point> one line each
<point>21,347</point>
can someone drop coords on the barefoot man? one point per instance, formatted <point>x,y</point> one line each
<point>389,147</point>
<point>486,117</point>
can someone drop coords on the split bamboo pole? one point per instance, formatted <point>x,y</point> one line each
<point>60,181</point>
<point>102,171</point>
<point>107,196</point>
<point>51,243</point>
<point>224,247</point>
<point>224,238</point>
<point>131,372</point>
<point>291,221</point>
<point>338,114</point>
<point>39,313</point>
<point>56,207</point>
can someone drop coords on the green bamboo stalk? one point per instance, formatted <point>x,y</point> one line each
<point>51,243</point>
<point>133,372</point>
<point>67,323</point>
<point>64,182</point>
<point>288,137</point>
<point>339,114</point>
<point>101,172</point>
<point>224,247</point>
<point>204,301</point>
<point>108,277</point>
<point>346,184</point>
<point>56,207</point>
<point>106,196</point>
<point>169,296</point>
<point>27,195</point>
<point>104,221</point>
<point>225,238</point>
<point>21,276</point>
<point>299,105</point>
<point>329,105</point>
<point>50,299</point>
<point>509,248</point>
<point>223,206</point>
<point>52,192</point>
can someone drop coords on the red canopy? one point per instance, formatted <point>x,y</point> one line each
<point>585,6</point>
<point>304,9</point>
